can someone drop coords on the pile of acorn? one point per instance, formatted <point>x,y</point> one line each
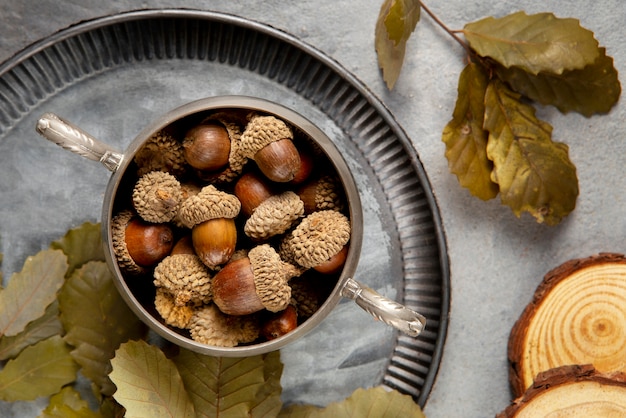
<point>234,223</point>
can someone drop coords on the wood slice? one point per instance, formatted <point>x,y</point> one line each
<point>577,316</point>
<point>578,391</point>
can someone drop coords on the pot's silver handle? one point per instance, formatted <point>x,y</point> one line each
<point>74,139</point>
<point>382,308</point>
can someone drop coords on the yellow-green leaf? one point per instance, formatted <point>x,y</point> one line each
<point>39,370</point>
<point>81,244</point>
<point>232,387</point>
<point>96,321</point>
<point>148,383</point>
<point>465,138</point>
<point>37,330</point>
<point>396,21</point>
<point>535,43</point>
<point>68,404</point>
<point>31,290</point>
<point>534,173</point>
<point>363,403</point>
<point>593,89</point>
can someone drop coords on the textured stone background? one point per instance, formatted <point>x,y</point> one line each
<point>496,259</point>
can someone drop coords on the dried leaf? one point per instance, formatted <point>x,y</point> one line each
<point>148,383</point>
<point>39,370</point>
<point>68,404</point>
<point>534,173</point>
<point>81,244</point>
<point>232,387</point>
<point>535,43</point>
<point>594,89</point>
<point>396,21</point>
<point>465,138</point>
<point>363,403</point>
<point>40,329</point>
<point>96,320</point>
<point>30,291</point>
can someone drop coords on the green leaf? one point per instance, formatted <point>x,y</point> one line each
<point>534,173</point>
<point>535,43</point>
<point>40,329</point>
<point>148,383</point>
<point>593,89</point>
<point>465,138</point>
<point>396,22</point>
<point>363,403</point>
<point>81,244</point>
<point>68,404</point>
<point>96,320</point>
<point>232,387</point>
<point>39,370</point>
<point>30,291</point>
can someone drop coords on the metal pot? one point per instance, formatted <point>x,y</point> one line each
<point>74,139</point>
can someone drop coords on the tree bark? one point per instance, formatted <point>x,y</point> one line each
<point>577,316</point>
<point>571,391</point>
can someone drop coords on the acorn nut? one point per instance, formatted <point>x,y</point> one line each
<point>210,215</point>
<point>268,141</point>
<point>280,323</point>
<point>252,190</point>
<point>207,146</point>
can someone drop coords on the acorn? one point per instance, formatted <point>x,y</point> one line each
<point>268,141</point>
<point>318,238</point>
<point>210,326</point>
<point>325,192</point>
<point>156,196</point>
<point>280,323</point>
<point>138,244</point>
<point>274,216</point>
<point>161,152</point>
<point>185,277</point>
<point>207,146</point>
<point>210,215</point>
<point>251,189</point>
<point>175,315</point>
<point>253,283</point>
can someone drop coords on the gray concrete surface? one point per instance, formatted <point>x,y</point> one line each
<point>496,259</point>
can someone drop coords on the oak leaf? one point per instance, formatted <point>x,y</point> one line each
<point>536,43</point>
<point>68,404</point>
<point>81,244</point>
<point>465,138</point>
<point>534,173</point>
<point>397,19</point>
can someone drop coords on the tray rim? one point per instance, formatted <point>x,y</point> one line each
<point>84,26</point>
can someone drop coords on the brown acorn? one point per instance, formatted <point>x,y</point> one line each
<point>251,189</point>
<point>207,146</point>
<point>148,243</point>
<point>280,323</point>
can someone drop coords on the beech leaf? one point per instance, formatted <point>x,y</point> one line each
<point>81,244</point>
<point>148,383</point>
<point>534,173</point>
<point>465,138</point>
<point>535,43</point>
<point>30,291</point>
<point>396,22</point>
<point>68,404</point>
<point>96,321</point>
<point>593,89</point>
<point>232,387</point>
<point>37,330</point>
<point>39,370</point>
<point>375,402</point>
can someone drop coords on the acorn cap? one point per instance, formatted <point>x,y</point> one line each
<point>274,216</point>
<point>318,237</point>
<point>304,298</point>
<point>236,159</point>
<point>174,315</point>
<point>208,204</point>
<point>328,194</point>
<point>210,326</point>
<point>161,152</point>
<point>185,277</point>
<point>262,130</point>
<point>271,277</point>
<point>156,196</point>
<point>118,231</point>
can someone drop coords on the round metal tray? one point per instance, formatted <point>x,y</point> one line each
<point>112,75</point>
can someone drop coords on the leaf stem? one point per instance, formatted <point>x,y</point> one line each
<point>445,28</point>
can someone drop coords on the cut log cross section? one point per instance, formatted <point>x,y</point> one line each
<point>577,316</point>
